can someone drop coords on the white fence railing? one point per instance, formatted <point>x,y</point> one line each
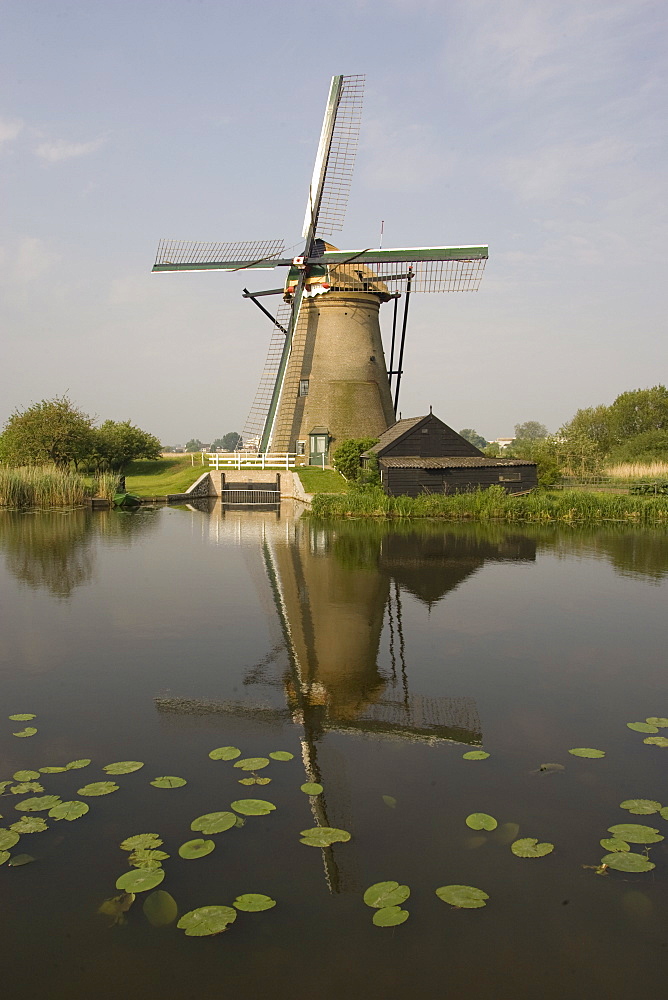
<point>245,460</point>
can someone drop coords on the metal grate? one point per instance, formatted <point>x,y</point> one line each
<point>427,276</point>
<point>341,159</point>
<point>257,417</point>
<point>184,252</point>
<point>250,496</point>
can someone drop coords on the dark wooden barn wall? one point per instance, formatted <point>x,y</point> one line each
<point>413,482</point>
<point>439,440</point>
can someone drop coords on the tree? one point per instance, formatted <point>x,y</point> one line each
<point>530,431</point>
<point>474,438</point>
<point>231,441</point>
<point>194,445</point>
<point>117,443</point>
<point>51,431</point>
<point>348,456</point>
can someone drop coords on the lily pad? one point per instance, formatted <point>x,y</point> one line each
<point>147,854</point>
<point>390,916</point>
<point>253,902</point>
<point>196,848</point>
<point>475,755</point>
<point>98,788</point>
<point>587,752</point>
<point>481,821</point>
<point>123,767</point>
<point>216,822</point>
<point>117,907</point>
<point>642,727</point>
<point>312,788</point>
<point>26,786</point>
<point>56,769</point>
<point>74,765</point>
<point>549,769</point>
<point>141,841</point>
<point>20,859</point>
<point>225,753</point>
<point>386,894</point>
<point>389,800</point>
<point>614,845</point>
<point>26,775</point>
<point>4,856</point>
<point>40,803</point>
<point>8,838</point>
<point>641,807</point>
<point>69,810</point>
<point>463,896</point>
<point>657,720</point>
<point>281,755</point>
<point>528,847</point>
<point>247,781</point>
<point>323,836</point>
<point>657,741</point>
<point>22,717</point>
<point>628,862</point>
<point>29,824</point>
<point>28,731</point>
<point>635,833</point>
<point>252,763</point>
<point>664,812</point>
<point>252,807</point>
<point>168,781</point>
<point>160,908</point>
<point>262,781</point>
<point>207,920</point>
<point>137,880</point>
<point>145,864</point>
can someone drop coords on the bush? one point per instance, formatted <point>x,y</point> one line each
<point>348,456</point>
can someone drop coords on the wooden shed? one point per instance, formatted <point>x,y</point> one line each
<point>423,455</point>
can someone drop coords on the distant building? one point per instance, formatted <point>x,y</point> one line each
<point>503,442</point>
<point>423,455</point>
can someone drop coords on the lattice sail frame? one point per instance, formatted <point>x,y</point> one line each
<point>425,276</point>
<point>185,252</point>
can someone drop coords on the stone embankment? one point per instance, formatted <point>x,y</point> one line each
<point>209,484</point>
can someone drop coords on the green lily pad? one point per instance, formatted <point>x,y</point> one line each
<point>117,907</point>
<point>528,847</point>
<point>642,727</point>
<point>216,822</point>
<point>40,803</point>
<point>98,788</point>
<point>56,769</point>
<point>247,781</point>
<point>389,800</point>
<point>390,916</point>
<point>20,859</point>
<point>4,784</point>
<point>475,755</point>
<point>144,855</point>
<point>383,894</point>
<point>664,812</point>
<point>252,807</point>
<point>481,821</point>
<point>614,845</point>
<point>312,788</point>
<point>463,896</point>
<point>160,908</point>
<point>587,752</point>
<point>141,841</point>
<point>634,833</point>
<point>262,781</point>
<point>657,741</point>
<point>26,786</point>
<point>628,862</point>
<point>23,717</point>
<point>168,781</point>
<point>26,775</point>
<point>207,920</point>
<point>281,755</point>
<point>145,864</point>
<point>8,838</point>
<point>137,880</point>
<point>74,765</point>
<point>323,836</point>
<point>29,824</point>
<point>641,807</point>
<point>123,767</point>
<point>196,848</point>
<point>252,763</point>
<point>69,810</point>
<point>225,753</point>
<point>253,902</point>
<point>657,720</point>
<point>28,731</point>
<point>4,856</point>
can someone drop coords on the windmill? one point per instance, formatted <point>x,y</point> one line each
<point>326,378</point>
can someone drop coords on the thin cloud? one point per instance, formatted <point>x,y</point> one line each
<point>9,129</point>
<point>55,152</point>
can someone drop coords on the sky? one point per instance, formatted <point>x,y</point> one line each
<point>536,128</point>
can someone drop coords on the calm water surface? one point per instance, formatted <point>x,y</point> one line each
<point>378,655</point>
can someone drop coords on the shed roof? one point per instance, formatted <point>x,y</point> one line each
<point>472,462</point>
<point>392,433</point>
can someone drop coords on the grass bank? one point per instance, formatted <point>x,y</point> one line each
<point>322,480</point>
<point>43,486</point>
<point>173,474</point>
<point>496,504</point>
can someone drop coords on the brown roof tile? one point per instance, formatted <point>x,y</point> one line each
<point>414,462</point>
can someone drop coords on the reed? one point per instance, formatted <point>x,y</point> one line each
<point>645,471</point>
<point>495,504</point>
<point>106,485</point>
<point>42,486</point>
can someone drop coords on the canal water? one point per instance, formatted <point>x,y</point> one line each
<point>378,655</point>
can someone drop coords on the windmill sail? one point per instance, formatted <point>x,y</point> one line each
<point>185,255</point>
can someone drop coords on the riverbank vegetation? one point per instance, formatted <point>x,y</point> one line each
<point>43,486</point>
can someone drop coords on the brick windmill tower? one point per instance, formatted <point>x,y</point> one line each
<point>326,377</point>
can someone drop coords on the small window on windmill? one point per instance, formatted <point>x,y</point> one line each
<point>301,447</point>
<point>303,387</point>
